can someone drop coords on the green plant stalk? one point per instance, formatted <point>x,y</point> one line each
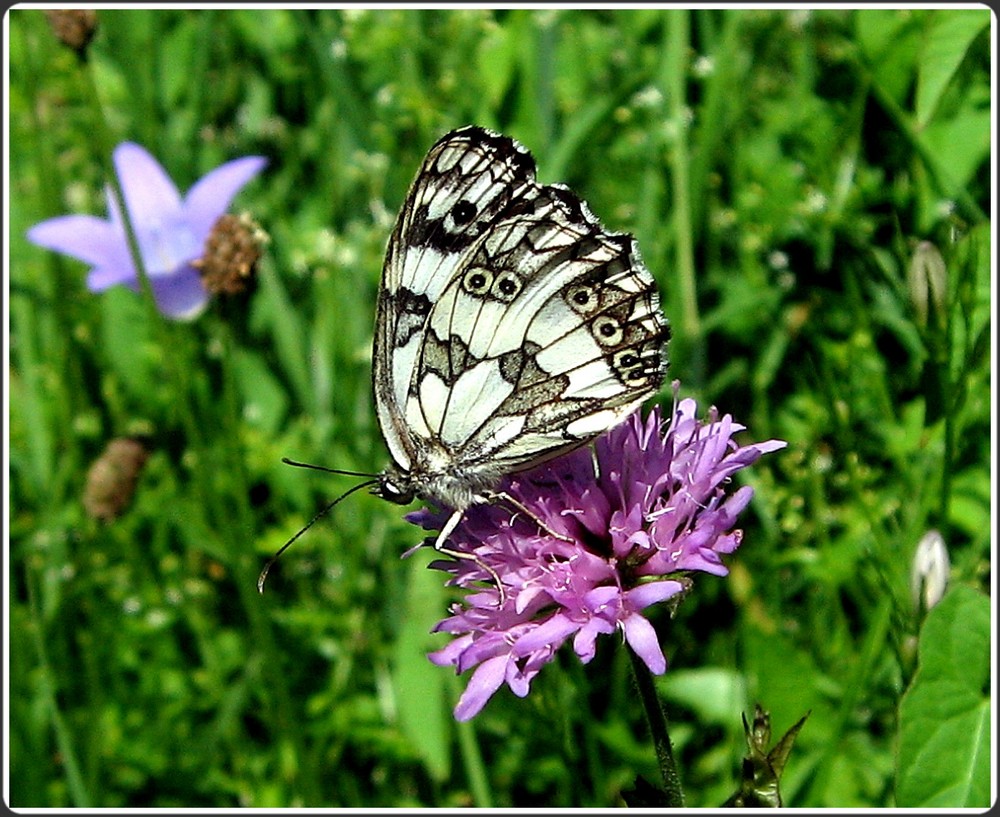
<point>472,758</point>
<point>675,71</point>
<point>175,362</point>
<point>44,342</point>
<point>64,739</point>
<point>952,392</point>
<point>659,730</point>
<point>104,151</point>
<point>283,719</point>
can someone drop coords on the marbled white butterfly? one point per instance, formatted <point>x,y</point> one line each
<point>511,325</point>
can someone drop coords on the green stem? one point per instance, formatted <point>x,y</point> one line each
<point>658,730</point>
<point>675,72</point>
<point>239,527</point>
<point>472,758</point>
<point>104,151</point>
<point>64,738</point>
<point>175,361</point>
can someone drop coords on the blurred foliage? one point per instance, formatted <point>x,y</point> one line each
<point>788,163</point>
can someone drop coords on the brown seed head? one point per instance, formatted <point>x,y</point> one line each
<point>74,28</point>
<point>231,252</point>
<point>112,478</point>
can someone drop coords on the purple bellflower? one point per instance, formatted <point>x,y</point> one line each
<point>171,231</point>
<point>633,516</point>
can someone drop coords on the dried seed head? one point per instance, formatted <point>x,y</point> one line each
<point>230,257</point>
<point>74,28</point>
<point>112,478</point>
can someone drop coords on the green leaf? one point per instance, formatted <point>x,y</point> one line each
<point>715,694</point>
<point>127,341</point>
<point>961,145</point>
<point>420,685</point>
<point>264,398</point>
<point>890,40</point>
<point>495,57</point>
<point>944,718</point>
<point>948,41</point>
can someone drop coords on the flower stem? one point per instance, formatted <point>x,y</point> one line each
<point>658,729</point>
<point>64,738</point>
<point>472,758</point>
<point>105,150</point>
<point>675,73</point>
<point>168,338</point>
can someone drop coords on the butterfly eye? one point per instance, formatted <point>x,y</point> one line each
<point>607,331</point>
<point>389,490</point>
<point>463,212</point>
<point>477,281</point>
<point>583,299</point>
<point>506,286</point>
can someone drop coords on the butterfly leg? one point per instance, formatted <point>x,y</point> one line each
<point>439,546</point>
<point>503,496</point>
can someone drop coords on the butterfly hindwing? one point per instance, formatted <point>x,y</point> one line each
<point>511,324</point>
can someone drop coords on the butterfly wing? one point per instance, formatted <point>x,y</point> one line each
<point>468,177</point>
<point>511,324</point>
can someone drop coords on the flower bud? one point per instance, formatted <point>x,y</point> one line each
<point>929,577</point>
<point>231,253</point>
<point>112,478</point>
<point>927,278</point>
<point>74,28</point>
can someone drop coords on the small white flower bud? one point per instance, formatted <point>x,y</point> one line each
<point>929,577</point>
<point>927,278</point>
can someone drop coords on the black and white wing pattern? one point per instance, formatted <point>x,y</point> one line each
<point>511,325</point>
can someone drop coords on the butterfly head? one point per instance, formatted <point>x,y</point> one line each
<point>394,487</point>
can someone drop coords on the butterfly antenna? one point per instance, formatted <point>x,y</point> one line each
<point>310,465</point>
<point>366,484</point>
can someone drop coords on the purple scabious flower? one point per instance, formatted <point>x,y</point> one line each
<point>171,231</point>
<point>634,515</point>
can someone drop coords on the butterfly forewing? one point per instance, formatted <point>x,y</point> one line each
<point>511,325</point>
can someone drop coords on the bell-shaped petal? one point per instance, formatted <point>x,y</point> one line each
<point>171,232</point>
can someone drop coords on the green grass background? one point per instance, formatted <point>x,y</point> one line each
<point>778,169</point>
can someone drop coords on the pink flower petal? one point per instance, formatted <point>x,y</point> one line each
<point>651,593</point>
<point>641,637</point>
<point>548,633</point>
<point>585,641</point>
<point>484,682</point>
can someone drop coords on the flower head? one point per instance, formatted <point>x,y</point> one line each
<point>616,529</point>
<point>171,231</point>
